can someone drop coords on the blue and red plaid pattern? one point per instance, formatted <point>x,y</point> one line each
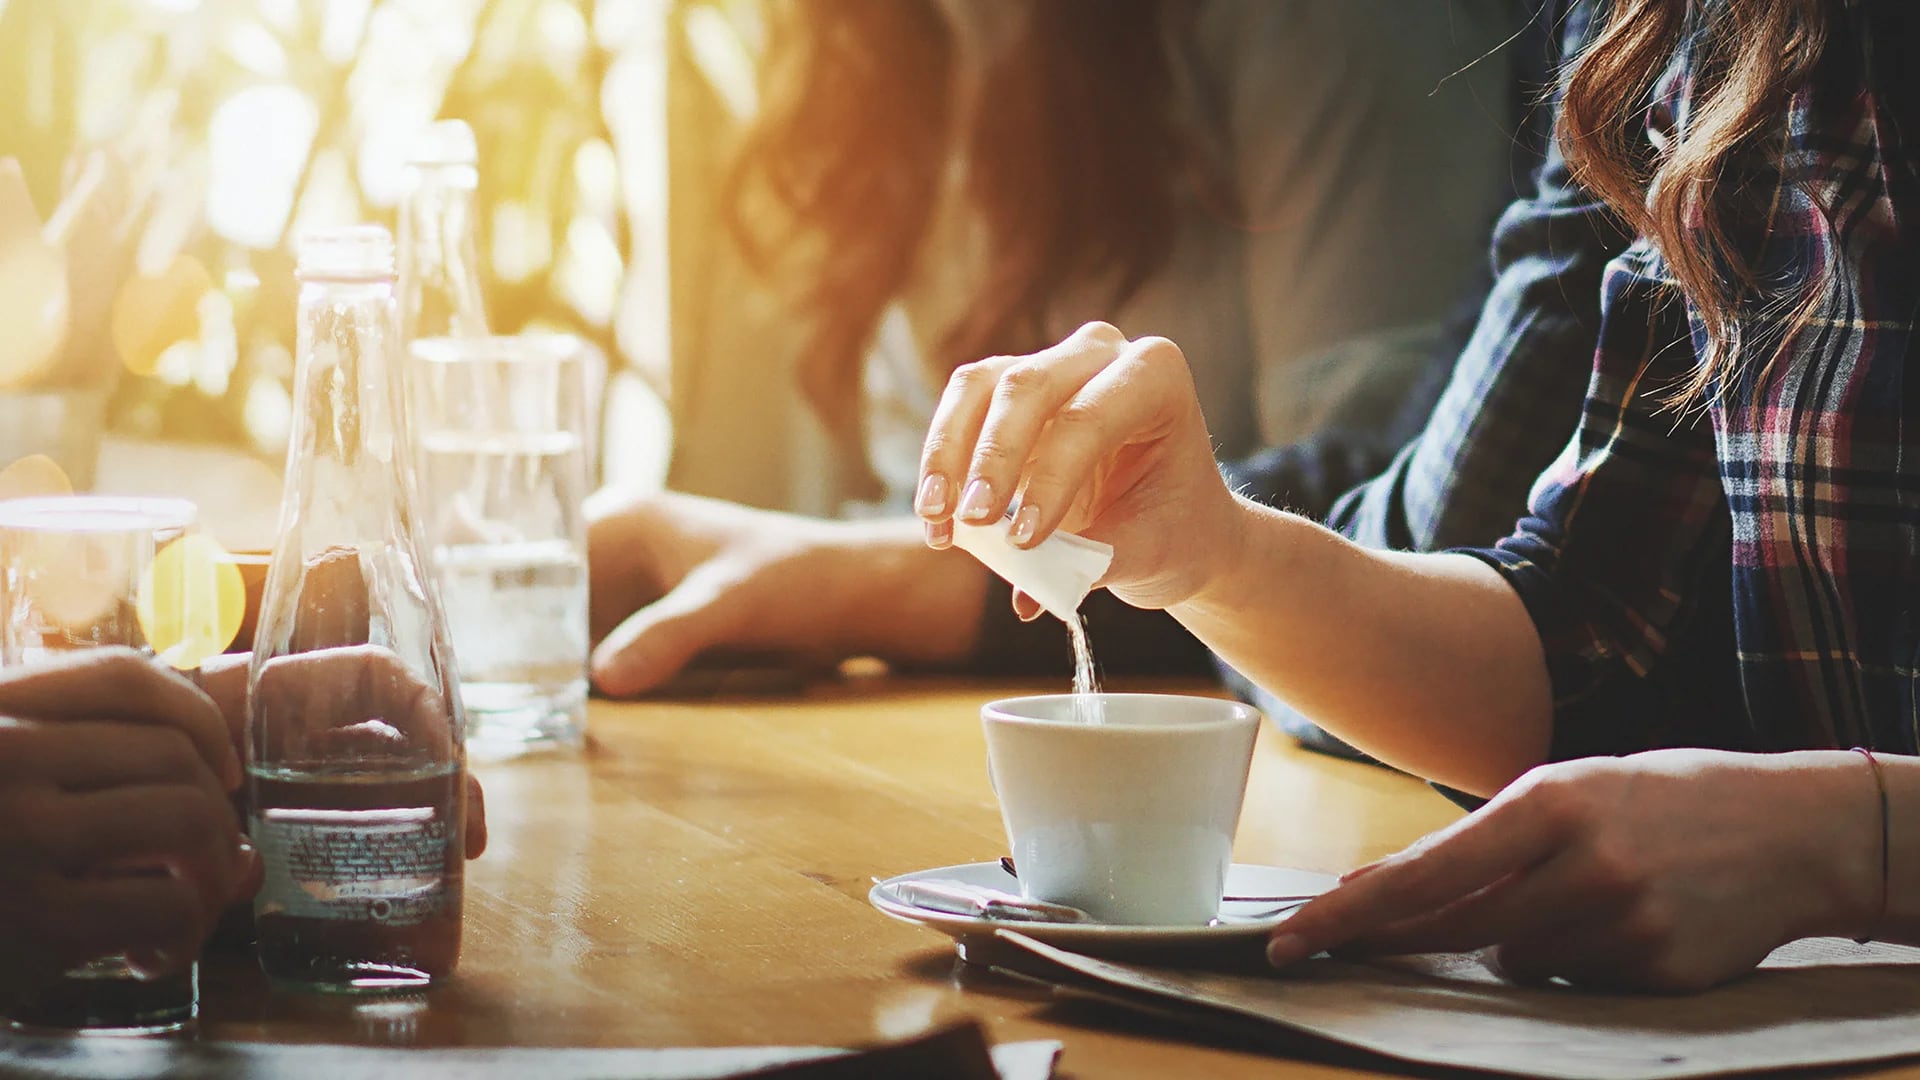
<point>1758,558</point>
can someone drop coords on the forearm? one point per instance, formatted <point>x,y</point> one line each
<point>901,600</point>
<point>1428,662</point>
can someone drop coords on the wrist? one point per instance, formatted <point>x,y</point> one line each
<point>1837,816</point>
<point>1231,567</point>
<point>900,600</point>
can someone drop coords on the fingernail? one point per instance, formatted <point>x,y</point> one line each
<point>1025,524</point>
<point>932,500</point>
<point>977,503</point>
<point>940,535</point>
<point>1284,949</point>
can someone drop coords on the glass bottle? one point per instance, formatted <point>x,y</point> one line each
<point>439,265</point>
<point>355,757</point>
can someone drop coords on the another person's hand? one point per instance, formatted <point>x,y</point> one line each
<point>1671,870</point>
<point>312,685</point>
<point>116,830</point>
<point>1100,435</point>
<point>675,576</point>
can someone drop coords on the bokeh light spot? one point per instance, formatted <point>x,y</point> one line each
<point>33,285</point>
<point>192,600</point>
<point>153,312</point>
<point>32,477</point>
<point>258,143</point>
<point>268,413</point>
<point>596,176</point>
<point>522,246</point>
<point>254,47</point>
<point>340,34</point>
<point>589,272</point>
<point>560,32</point>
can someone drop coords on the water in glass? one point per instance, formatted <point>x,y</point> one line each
<point>505,472</point>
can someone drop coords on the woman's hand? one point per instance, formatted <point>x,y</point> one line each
<point>1672,870</point>
<point>309,681</point>
<point>116,830</point>
<point>1428,662</point>
<point>675,576</point>
<point>1098,434</point>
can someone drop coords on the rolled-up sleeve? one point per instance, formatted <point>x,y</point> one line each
<point>1624,531</point>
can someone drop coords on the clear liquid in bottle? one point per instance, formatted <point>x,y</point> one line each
<point>356,764</point>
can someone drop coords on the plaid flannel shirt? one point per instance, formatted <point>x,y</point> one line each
<point>1513,395</point>
<point>1507,399</point>
<point>1747,575</point>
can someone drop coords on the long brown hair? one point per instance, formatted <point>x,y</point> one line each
<point>1753,55</point>
<point>1072,158</point>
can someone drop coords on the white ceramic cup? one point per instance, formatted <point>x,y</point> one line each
<point>1131,820</point>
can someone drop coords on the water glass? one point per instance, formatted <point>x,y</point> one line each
<point>71,573</point>
<point>502,427</point>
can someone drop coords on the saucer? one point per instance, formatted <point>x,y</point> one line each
<point>1239,924</point>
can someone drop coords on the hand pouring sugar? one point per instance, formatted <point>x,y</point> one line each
<point>1058,573</point>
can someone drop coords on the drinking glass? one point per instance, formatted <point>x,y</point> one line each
<point>71,573</point>
<point>503,427</point>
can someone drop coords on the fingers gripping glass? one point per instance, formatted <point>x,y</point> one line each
<point>75,573</point>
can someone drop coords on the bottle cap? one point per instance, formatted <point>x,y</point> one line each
<point>353,253</point>
<point>1058,572</point>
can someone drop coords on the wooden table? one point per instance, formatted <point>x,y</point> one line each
<point>700,876</point>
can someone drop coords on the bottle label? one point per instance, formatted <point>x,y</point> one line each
<point>384,866</point>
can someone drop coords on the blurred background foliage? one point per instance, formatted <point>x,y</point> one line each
<point>226,127</point>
